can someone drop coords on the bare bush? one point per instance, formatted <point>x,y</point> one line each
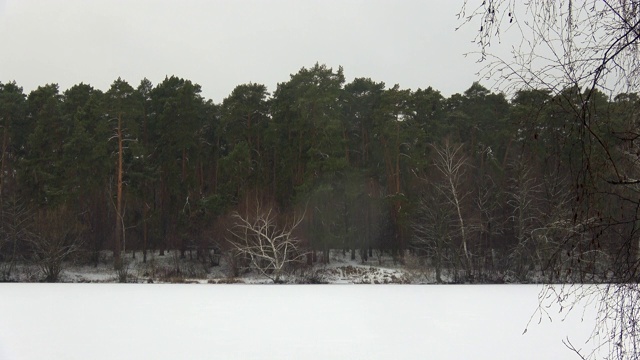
<point>56,236</point>
<point>122,271</point>
<point>15,228</point>
<point>269,244</point>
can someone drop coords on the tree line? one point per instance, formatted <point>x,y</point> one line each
<point>477,185</point>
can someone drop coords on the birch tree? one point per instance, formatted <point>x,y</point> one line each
<point>587,47</point>
<point>452,164</point>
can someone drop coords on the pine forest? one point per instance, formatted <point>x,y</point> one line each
<point>476,187</point>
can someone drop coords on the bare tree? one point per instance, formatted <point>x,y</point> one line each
<point>558,44</point>
<point>432,229</point>
<point>488,202</point>
<point>589,47</point>
<point>616,312</point>
<point>555,226</point>
<point>523,196</point>
<point>452,164</point>
<point>270,244</point>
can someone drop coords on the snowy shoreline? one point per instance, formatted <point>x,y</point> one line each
<point>173,269</point>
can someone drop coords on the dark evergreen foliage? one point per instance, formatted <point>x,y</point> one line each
<point>360,158</point>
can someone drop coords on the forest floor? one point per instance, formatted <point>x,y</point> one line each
<point>171,268</point>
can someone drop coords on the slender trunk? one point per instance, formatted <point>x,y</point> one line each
<point>145,232</point>
<point>463,234</point>
<point>145,142</point>
<point>299,167</point>
<point>438,259</point>
<point>397,177</point>
<point>398,205</point>
<point>165,217</point>
<point>3,160</point>
<point>388,166</point>
<point>216,166</point>
<point>275,179</point>
<point>346,146</point>
<point>118,233</point>
<point>506,154</point>
<point>347,242</point>
<point>363,131</point>
<point>249,138</point>
<point>5,140</point>
<point>201,177</point>
<point>184,164</point>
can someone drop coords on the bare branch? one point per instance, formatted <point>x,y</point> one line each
<point>270,246</point>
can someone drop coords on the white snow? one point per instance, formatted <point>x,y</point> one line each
<point>125,321</point>
<point>161,269</point>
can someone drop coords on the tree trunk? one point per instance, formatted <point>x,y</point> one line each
<point>184,164</point>
<point>3,160</point>
<point>118,234</point>
<point>145,232</point>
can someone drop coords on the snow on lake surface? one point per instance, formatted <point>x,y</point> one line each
<point>119,321</point>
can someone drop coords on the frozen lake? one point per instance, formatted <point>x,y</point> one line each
<point>112,321</point>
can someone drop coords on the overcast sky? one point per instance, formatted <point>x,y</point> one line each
<point>224,43</point>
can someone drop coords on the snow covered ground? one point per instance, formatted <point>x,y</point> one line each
<point>163,269</point>
<point>172,321</point>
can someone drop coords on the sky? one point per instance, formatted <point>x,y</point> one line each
<point>224,43</point>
